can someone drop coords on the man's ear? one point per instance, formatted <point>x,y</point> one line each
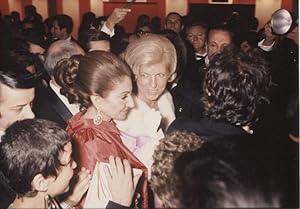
<point>39,183</point>
<point>172,77</point>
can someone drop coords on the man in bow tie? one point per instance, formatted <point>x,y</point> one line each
<point>196,35</point>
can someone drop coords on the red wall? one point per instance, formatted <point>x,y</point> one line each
<point>4,7</point>
<point>234,1</point>
<point>84,6</point>
<point>59,8</point>
<point>151,8</point>
<point>243,2</point>
<point>287,4</point>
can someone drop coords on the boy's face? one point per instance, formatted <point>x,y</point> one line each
<point>60,184</point>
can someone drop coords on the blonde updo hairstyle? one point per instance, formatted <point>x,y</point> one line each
<point>151,49</point>
<point>95,73</point>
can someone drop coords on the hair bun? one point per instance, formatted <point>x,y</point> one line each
<point>66,70</point>
<point>65,74</point>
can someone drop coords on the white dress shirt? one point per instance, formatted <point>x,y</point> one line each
<point>74,108</point>
<point>265,47</point>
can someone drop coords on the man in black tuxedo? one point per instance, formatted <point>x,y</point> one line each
<point>49,103</point>
<point>189,90</point>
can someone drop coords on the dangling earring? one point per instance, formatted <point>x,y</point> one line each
<point>98,117</point>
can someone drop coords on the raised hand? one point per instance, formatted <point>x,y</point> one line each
<point>116,16</point>
<point>121,182</point>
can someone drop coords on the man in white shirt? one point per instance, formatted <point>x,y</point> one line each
<point>268,42</point>
<point>63,24</point>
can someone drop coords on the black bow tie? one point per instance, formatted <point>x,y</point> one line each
<point>199,57</point>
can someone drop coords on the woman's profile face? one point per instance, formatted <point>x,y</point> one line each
<point>117,103</point>
<point>151,81</point>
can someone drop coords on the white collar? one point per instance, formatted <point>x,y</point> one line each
<point>206,61</point>
<point>74,108</point>
<point>1,134</point>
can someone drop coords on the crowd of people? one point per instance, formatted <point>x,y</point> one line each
<point>209,113</point>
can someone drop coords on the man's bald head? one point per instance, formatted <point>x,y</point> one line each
<point>59,50</point>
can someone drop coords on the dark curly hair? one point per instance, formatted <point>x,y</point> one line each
<point>223,173</point>
<point>235,85</point>
<point>169,148</point>
<point>95,73</point>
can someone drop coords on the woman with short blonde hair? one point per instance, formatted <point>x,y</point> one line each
<point>153,60</point>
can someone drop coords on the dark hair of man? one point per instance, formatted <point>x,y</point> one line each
<point>221,27</point>
<point>235,85</point>
<point>17,79</point>
<point>30,9</point>
<point>224,174</point>
<point>197,23</point>
<point>28,148</point>
<point>175,13</point>
<point>64,21</point>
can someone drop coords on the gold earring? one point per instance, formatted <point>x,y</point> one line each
<point>98,117</point>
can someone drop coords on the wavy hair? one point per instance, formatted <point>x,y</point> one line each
<point>235,85</point>
<point>168,149</point>
<point>151,49</point>
<point>95,73</point>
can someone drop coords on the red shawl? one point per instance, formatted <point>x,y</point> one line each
<point>95,143</point>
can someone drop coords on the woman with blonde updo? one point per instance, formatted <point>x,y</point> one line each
<point>101,83</point>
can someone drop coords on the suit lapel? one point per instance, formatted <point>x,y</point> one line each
<point>58,106</point>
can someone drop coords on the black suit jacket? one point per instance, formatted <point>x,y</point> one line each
<point>187,94</point>
<point>47,105</point>
<point>7,195</point>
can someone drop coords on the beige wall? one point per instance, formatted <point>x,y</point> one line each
<point>180,6</point>
<point>71,8</point>
<point>264,9</point>
<point>97,7</point>
<point>16,5</point>
<point>41,7</point>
